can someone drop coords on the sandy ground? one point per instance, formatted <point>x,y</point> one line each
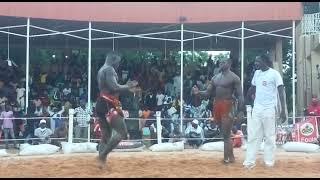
<point>189,163</point>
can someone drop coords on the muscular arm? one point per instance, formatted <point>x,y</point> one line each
<point>239,94</point>
<point>208,91</point>
<point>111,82</point>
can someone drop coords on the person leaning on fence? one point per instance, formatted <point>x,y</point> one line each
<point>6,120</point>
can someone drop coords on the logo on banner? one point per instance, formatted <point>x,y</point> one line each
<point>306,129</point>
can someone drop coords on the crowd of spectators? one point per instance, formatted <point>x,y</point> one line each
<point>63,86</point>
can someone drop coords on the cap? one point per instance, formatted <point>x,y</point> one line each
<point>195,121</point>
<point>43,121</point>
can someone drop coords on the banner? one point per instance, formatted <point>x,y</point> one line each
<point>306,131</point>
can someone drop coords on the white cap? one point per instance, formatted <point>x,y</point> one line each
<point>43,121</point>
<point>195,121</point>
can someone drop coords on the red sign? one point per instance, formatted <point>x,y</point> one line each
<point>306,131</point>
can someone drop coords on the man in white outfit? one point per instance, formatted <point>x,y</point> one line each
<point>266,84</point>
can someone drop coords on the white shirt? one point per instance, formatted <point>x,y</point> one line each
<point>160,98</point>
<point>66,91</point>
<point>20,92</point>
<point>82,116</point>
<point>266,83</point>
<point>43,133</point>
<point>197,130</point>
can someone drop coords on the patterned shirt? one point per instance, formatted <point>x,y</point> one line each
<point>82,116</point>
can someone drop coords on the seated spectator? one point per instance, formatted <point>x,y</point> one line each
<point>66,92</point>
<point>211,130</point>
<point>194,131</point>
<point>237,136</point>
<point>60,132</point>
<point>314,108</point>
<point>43,133</point>
<point>6,119</point>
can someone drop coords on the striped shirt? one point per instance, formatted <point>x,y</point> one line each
<point>82,116</point>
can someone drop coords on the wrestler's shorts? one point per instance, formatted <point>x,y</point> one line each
<point>114,107</point>
<point>222,109</point>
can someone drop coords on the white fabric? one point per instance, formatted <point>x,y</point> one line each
<point>3,153</point>
<point>86,147</point>
<point>159,98</point>
<point>66,91</point>
<point>168,147</point>
<point>266,83</point>
<point>244,146</point>
<point>199,130</point>
<point>300,147</point>
<point>42,149</point>
<point>261,125</point>
<point>213,146</point>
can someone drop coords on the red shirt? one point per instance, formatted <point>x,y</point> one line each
<point>314,110</point>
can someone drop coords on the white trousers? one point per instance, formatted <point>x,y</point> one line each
<point>261,126</point>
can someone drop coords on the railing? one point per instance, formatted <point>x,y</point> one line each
<point>311,24</point>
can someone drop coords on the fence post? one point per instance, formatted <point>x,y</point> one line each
<point>70,132</point>
<point>89,128</point>
<point>159,127</point>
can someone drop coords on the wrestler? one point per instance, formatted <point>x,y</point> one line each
<point>108,107</point>
<point>224,87</point>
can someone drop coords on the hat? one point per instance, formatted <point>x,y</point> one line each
<point>195,121</point>
<point>43,121</point>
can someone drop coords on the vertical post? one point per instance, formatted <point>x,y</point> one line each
<point>113,42</point>
<point>70,132</point>
<point>8,45</point>
<point>159,127</point>
<point>89,78</point>
<point>293,72</point>
<point>27,65</point>
<point>181,77</point>
<point>242,54</point>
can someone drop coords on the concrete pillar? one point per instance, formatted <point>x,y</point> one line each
<point>300,64</point>
<point>278,56</point>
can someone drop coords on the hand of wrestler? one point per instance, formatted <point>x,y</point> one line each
<point>132,84</point>
<point>135,89</point>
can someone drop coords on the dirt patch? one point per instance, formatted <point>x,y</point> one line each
<point>189,163</point>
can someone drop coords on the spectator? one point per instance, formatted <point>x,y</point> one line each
<point>21,96</point>
<point>159,97</point>
<point>66,91</point>
<point>60,132</point>
<point>7,124</point>
<point>196,132</point>
<point>43,133</point>
<point>81,121</point>
<point>56,120</point>
<point>237,136</point>
<point>211,130</point>
<point>314,108</point>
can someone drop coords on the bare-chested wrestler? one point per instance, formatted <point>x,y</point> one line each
<point>108,107</point>
<point>224,85</point>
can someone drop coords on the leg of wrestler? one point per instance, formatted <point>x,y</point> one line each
<point>102,109</point>
<point>119,132</point>
<point>226,126</point>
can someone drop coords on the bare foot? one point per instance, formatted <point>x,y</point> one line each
<point>102,164</point>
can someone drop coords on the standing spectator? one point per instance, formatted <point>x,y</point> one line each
<point>21,96</point>
<point>56,120</point>
<point>169,88</point>
<point>177,84</point>
<point>81,122</point>
<point>43,133</point>
<point>7,124</point>
<point>194,131</point>
<point>159,97</point>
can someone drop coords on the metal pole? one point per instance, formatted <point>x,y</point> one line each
<point>293,72</point>
<point>70,132</point>
<point>181,77</point>
<point>242,54</point>
<point>27,66</point>
<point>113,43</point>
<point>8,41</point>
<point>89,78</point>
